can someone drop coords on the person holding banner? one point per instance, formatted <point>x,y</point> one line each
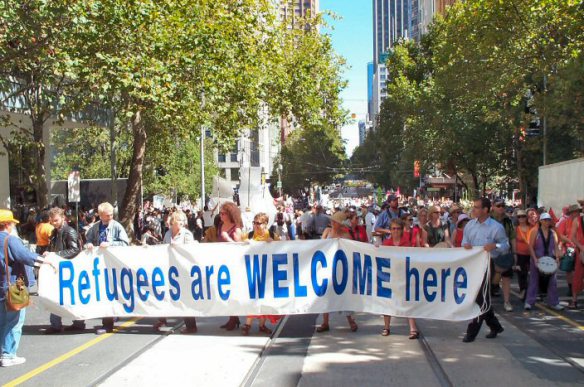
<point>260,233</point>
<point>106,232</point>
<point>64,242</point>
<point>486,232</point>
<point>422,220</point>
<point>337,230</point>
<point>230,231</point>
<point>14,265</point>
<point>178,234</point>
<point>398,239</point>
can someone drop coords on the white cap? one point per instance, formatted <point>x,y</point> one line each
<point>545,216</point>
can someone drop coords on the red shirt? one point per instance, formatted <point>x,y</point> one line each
<point>359,233</point>
<point>412,236</point>
<point>404,242</point>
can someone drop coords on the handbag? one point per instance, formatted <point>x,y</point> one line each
<point>568,261</point>
<point>17,296</point>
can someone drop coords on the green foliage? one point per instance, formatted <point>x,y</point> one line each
<point>457,99</point>
<point>163,70</point>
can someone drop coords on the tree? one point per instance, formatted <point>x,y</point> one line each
<point>35,75</point>
<point>458,98</point>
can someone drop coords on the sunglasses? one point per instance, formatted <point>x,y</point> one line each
<point>257,223</point>
<point>522,216</point>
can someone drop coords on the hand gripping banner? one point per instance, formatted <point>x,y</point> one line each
<point>289,277</point>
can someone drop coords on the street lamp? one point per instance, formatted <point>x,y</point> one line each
<point>264,174</point>
<point>279,186</point>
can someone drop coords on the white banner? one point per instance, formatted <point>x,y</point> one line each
<point>291,277</point>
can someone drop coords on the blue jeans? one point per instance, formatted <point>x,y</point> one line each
<point>10,330</point>
<point>57,322</point>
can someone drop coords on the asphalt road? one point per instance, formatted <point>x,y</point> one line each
<point>544,344</point>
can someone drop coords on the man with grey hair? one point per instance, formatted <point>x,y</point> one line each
<point>107,232</point>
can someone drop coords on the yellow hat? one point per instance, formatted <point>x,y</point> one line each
<point>339,217</point>
<point>6,216</point>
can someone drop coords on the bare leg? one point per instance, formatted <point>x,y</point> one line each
<point>506,288</point>
<point>414,333</point>
<point>324,327</point>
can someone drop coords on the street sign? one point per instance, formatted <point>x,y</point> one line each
<point>432,189</point>
<point>74,187</point>
<point>279,184</point>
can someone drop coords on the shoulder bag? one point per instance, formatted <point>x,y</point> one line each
<point>17,296</point>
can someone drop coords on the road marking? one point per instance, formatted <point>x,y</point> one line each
<point>565,319</point>
<point>561,316</point>
<point>71,353</point>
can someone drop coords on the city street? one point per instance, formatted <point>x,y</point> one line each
<point>538,348</point>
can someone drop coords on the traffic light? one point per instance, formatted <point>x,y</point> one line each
<point>417,168</point>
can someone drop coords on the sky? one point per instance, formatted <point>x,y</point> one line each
<point>352,38</point>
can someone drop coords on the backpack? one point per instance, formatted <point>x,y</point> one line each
<point>270,231</point>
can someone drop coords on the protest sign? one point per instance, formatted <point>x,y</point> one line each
<point>289,277</point>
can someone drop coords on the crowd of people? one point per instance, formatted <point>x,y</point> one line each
<point>518,241</point>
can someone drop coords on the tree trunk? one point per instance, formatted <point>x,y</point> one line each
<point>134,187</point>
<point>475,182</point>
<point>40,173</point>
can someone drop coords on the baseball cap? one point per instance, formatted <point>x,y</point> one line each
<point>545,216</point>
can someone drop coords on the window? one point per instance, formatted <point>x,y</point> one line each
<point>221,157</point>
<point>234,157</point>
<point>234,174</point>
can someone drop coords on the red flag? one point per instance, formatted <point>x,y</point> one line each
<point>553,215</point>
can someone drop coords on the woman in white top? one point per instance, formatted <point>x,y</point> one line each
<point>178,234</point>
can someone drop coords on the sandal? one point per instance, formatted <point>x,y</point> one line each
<point>323,328</point>
<point>265,329</point>
<point>385,332</point>
<point>414,335</point>
<point>353,325</point>
<point>245,329</point>
<point>573,305</point>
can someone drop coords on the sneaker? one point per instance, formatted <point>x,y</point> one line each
<point>12,361</point>
<point>557,307</point>
<point>74,328</point>
<point>52,331</point>
<point>522,295</point>
<point>493,333</point>
<point>508,307</point>
<point>527,306</point>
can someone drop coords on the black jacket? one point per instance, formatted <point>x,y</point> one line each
<point>65,242</point>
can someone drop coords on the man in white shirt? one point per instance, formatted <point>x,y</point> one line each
<point>486,232</point>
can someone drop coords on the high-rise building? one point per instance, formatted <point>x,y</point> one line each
<point>290,10</point>
<point>394,20</point>
<point>425,11</point>
<point>391,22</point>
<point>370,80</point>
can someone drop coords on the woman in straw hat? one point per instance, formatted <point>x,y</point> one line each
<point>337,229</point>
